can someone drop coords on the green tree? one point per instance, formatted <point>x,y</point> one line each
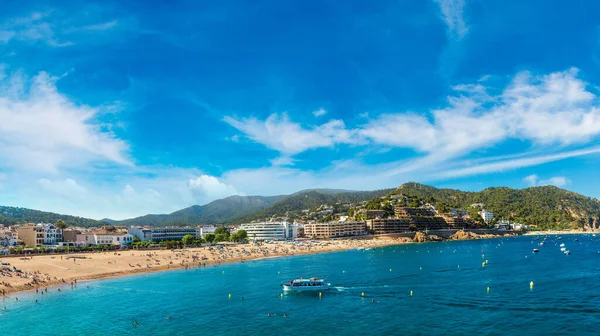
<point>220,237</point>
<point>187,239</point>
<point>222,230</point>
<point>243,235</point>
<point>240,235</point>
<point>209,237</point>
<point>136,239</point>
<point>60,224</point>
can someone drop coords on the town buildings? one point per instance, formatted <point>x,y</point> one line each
<point>206,229</point>
<point>334,229</point>
<point>486,215</point>
<point>43,234</point>
<point>105,237</point>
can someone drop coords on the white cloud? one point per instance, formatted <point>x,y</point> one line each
<point>546,110</point>
<point>54,28</point>
<point>557,181</point>
<point>42,130</point>
<point>452,12</point>
<point>512,164</point>
<point>67,188</point>
<point>279,133</point>
<point>282,161</point>
<point>531,180</point>
<point>319,112</point>
<point>207,188</point>
<point>101,26</point>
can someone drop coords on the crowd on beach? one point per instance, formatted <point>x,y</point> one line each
<point>48,270</point>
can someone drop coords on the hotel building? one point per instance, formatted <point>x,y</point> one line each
<point>334,229</point>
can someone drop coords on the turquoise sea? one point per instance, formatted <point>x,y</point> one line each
<point>447,280</point>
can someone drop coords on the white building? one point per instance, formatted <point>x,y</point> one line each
<point>204,230</point>
<point>270,230</point>
<point>42,234</point>
<point>104,237</point>
<point>486,215</point>
<point>7,238</point>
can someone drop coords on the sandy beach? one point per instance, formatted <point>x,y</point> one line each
<point>42,271</point>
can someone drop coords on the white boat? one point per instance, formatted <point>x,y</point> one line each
<point>563,249</point>
<point>311,284</point>
<point>562,245</point>
<point>567,252</point>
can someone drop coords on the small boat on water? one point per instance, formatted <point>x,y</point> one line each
<point>536,250</point>
<point>562,245</point>
<point>311,284</point>
<point>541,244</point>
<point>567,252</point>
<point>563,249</point>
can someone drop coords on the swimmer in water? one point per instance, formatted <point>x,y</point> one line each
<point>169,318</point>
<point>284,315</point>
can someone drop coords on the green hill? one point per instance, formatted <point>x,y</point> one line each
<point>547,207</point>
<point>310,199</point>
<point>216,212</point>
<point>14,215</point>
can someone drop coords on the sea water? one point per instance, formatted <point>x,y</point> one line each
<point>414,289</point>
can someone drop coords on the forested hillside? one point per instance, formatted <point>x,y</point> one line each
<point>14,215</point>
<point>546,206</point>
<point>312,199</point>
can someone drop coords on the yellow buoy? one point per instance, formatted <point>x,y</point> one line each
<point>531,284</point>
<point>278,272</point>
<point>458,266</point>
<point>483,264</point>
<point>488,289</point>
<point>390,269</point>
<point>421,268</point>
<point>410,293</point>
<point>362,294</point>
<point>229,296</point>
<point>320,294</point>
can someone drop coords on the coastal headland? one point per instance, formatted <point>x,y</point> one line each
<point>42,271</point>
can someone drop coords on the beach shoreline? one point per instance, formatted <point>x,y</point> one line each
<point>54,272</point>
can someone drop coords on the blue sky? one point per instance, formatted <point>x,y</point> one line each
<point>122,108</point>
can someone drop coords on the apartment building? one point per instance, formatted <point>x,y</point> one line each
<point>162,234</point>
<point>42,234</point>
<point>334,229</point>
<point>388,225</point>
<point>270,230</point>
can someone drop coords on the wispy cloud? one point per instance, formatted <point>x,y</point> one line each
<point>52,28</point>
<point>43,130</point>
<point>319,112</point>
<point>279,133</point>
<point>558,181</point>
<point>505,165</point>
<point>452,12</point>
<point>553,112</point>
